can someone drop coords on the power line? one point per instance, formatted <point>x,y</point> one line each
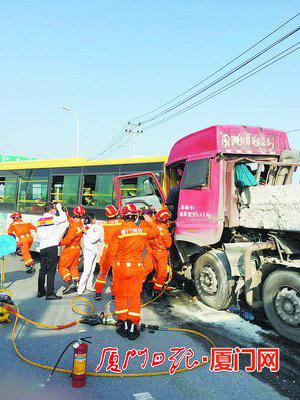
<point>229,85</point>
<point>113,139</point>
<point>121,145</point>
<point>235,69</point>
<point>293,130</point>
<point>112,147</point>
<point>115,144</point>
<point>226,87</point>
<point>218,70</point>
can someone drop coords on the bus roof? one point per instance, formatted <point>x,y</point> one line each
<point>77,162</point>
<point>229,139</point>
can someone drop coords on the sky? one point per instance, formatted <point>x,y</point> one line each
<point>111,61</point>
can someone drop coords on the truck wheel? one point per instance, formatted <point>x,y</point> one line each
<point>281,299</point>
<point>213,280</point>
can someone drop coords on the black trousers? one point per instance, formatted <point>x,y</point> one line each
<point>49,258</point>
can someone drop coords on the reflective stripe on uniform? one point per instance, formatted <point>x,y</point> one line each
<point>128,264</point>
<point>132,234</point>
<point>29,261</point>
<point>66,275</point>
<point>134,314</point>
<point>99,281</point>
<point>75,247</point>
<point>121,311</point>
<point>24,236</point>
<point>158,285</point>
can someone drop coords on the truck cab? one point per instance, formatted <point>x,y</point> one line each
<point>237,218</point>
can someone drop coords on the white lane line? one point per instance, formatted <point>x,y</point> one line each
<point>143,396</point>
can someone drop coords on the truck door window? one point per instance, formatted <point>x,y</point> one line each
<point>196,174</point>
<point>142,191</point>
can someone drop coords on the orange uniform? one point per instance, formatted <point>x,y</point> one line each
<point>160,255</point>
<point>110,228</point>
<point>22,231</point>
<point>148,259</point>
<point>127,248</point>
<point>69,258</point>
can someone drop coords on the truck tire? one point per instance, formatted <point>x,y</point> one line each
<point>213,280</point>
<point>281,300</point>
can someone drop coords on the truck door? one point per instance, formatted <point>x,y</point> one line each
<point>142,189</point>
<point>201,207</point>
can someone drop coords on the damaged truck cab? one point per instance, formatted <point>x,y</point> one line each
<point>237,230</point>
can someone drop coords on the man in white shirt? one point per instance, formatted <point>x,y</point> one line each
<point>50,229</point>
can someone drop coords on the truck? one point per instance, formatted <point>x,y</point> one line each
<point>237,234</point>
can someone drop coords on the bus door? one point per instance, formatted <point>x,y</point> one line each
<point>142,189</point>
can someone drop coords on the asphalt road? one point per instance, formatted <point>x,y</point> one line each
<point>22,381</point>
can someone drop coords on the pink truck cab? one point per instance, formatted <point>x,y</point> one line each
<point>237,218</point>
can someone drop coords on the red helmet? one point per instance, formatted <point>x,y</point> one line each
<point>130,209</point>
<point>111,211</point>
<point>163,216</point>
<point>16,215</point>
<point>79,211</point>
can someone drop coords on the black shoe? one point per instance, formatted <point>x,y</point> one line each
<point>53,296</point>
<point>149,288</point>
<point>134,332</point>
<point>97,296</point>
<point>156,293</point>
<point>112,298</point>
<point>30,269</point>
<point>122,328</point>
<point>71,287</point>
<point>41,294</point>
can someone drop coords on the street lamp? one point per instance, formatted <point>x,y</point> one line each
<point>77,128</point>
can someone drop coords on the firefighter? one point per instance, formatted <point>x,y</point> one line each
<point>110,227</point>
<point>92,236</point>
<point>160,252</point>
<point>148,260</point>
<point>69,258</point>
<point>22,232</point>
<point>127,248</point>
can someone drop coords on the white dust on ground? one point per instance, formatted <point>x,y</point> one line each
<point>187,308</point>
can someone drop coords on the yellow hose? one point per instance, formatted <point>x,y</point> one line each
<point>105,374</point>
<point>91,312</point>
<point>75,309</point>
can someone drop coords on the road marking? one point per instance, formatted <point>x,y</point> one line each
<point>143,396</point>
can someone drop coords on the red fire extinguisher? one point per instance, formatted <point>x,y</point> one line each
<point>79,364</point>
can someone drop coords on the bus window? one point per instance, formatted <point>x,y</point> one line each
<point>33,194</point>
<point>89,195</point>
<point>2,188</point>
<point>8,189</point>
<point>104,190</point>
<point>65,189</point>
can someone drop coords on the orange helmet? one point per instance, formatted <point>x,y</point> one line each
<point>163,216</point>
<point>111,211</point>
<point>79,211</point>
<point>130,209</point>
<point>16,215</point>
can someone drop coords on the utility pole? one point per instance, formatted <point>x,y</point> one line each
<point>133,132</point>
